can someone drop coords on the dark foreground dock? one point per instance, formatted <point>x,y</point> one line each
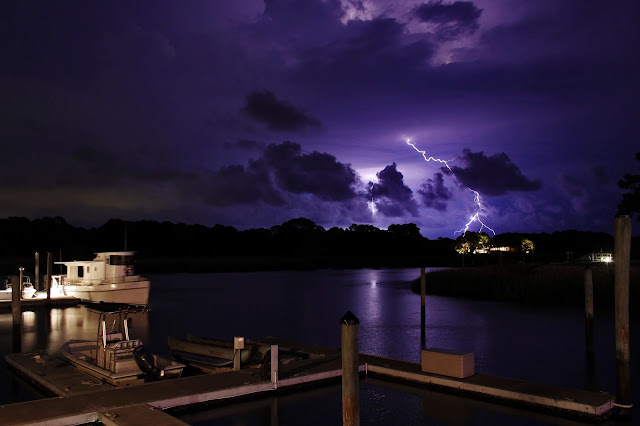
<point>83,399</point>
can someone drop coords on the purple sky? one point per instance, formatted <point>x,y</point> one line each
<point>251,113</point>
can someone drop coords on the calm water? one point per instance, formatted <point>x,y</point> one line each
<point>540,345</point>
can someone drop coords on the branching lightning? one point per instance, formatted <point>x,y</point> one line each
<point>372,203</point>
<point>476,198</point>
<point>475,217</point>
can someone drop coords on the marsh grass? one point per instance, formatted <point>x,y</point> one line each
<point>529,284</point>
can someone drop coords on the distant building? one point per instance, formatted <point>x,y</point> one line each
<point>503,248</point>
<point>598,257</point>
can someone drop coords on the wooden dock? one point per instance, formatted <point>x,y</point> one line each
<point>83,399</point>
<point>39,303</point>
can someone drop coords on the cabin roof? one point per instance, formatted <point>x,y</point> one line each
<point>100,258</point>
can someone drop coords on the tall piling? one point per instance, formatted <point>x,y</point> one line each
<point>621,289</point>
<point>423,320</point>
<point>36,274</point>
<point>350,374</point>
<point>588,311</point>
<point>49,269</point>
<point>16,293</point>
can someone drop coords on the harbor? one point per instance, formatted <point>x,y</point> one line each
<point>396,359</point>
<point>84,399</point>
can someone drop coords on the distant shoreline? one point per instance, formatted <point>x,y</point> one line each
<point>530,284</point>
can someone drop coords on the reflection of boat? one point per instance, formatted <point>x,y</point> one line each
<point>107,278</point>
<point>28,291</point>
<point>114,357</point>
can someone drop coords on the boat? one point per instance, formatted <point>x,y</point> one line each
<point>114,357</point>
<point>108,278</point>
<point>28,291</point>
<point>215,355</point>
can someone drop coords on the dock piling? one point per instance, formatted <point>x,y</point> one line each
<point>274,366</point>
<point>36,274</point>
<point>49,269</point>
<point>621,289</point>
<point>238,346</point>
<point>16,293</point>
<point>350,371</point>
<point>588,310</point>
<point>423,321</point>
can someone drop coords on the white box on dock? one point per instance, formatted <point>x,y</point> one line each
<point>448,363</point>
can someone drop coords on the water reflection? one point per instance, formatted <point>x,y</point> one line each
<point>382,403</point>
<point>533,344</point>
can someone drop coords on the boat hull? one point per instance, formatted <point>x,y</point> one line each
<point>81,354</point>
<point>8,295</point>
<point>132,292</point>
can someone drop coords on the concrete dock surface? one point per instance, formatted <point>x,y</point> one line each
<point>84,399</point>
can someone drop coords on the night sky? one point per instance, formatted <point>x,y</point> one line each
<point>250,113</point>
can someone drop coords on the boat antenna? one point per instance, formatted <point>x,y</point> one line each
<point>125,236</point>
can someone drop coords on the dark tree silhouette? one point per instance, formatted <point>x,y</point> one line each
<point>630,200</point>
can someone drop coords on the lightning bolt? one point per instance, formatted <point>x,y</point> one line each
<point>475,217</point>
<point>476,198</point>
<point>424,155</point>
<point>372,203</point>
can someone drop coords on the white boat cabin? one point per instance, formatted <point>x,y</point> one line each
<point>111,266</point>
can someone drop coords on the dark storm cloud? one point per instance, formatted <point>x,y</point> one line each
<point>263,106</point>
<point>282,170</point>
<point>434,194</point>
<point>246,144</point>
<point>366,55</point>
<point>236,185</point>
<point>296,20</point>
<point>319,174</point>
<point>391,196</point>
<point>95,166</point>
<point>453,20</point>
<point>493,175</point>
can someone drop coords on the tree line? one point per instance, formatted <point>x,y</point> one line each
<point>295,243</point>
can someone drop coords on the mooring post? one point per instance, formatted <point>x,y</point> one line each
<point>238,346</point>
<point>350,374</point>
<point>274,366</point>
<point>49,268</point>
<point>423,290</point>
<point>588,310</point>
<point>36,278</point>
<point>621,288</point>
<point>16,293</point>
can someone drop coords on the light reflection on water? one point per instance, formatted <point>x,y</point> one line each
<point>534,344</point>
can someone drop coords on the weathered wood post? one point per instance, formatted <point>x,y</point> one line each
<point>423,320</point>
<point>49,268</point>
<point>274,365</point>
<point>36,278</point>
<point>238,346</point>
<point>16,293</point>
<point>621,289</point>
<point>350,374</point>
<point>588,310</point>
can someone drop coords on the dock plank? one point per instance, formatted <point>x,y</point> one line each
<point>88,401</point>
<point>534,395</point>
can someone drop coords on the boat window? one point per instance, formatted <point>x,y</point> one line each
<point>80,271</point>
<point>120,260</point>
